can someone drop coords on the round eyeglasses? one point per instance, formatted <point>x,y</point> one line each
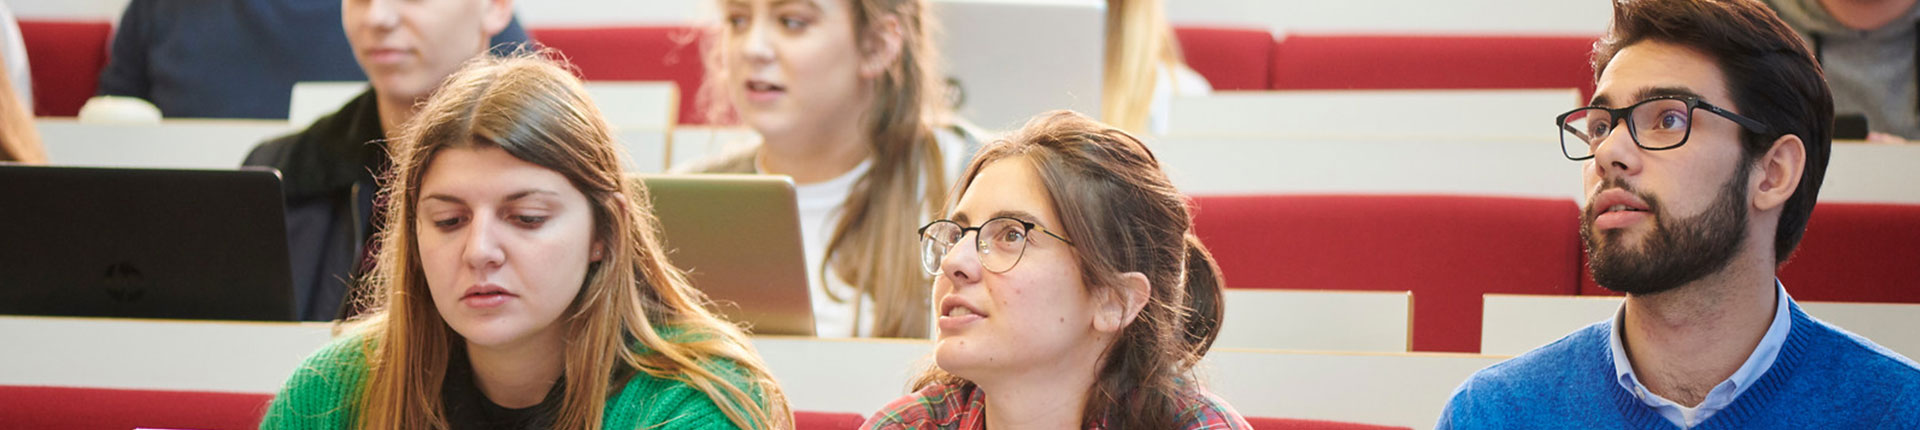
<point>1001,242</point>
<point>1654,124</point>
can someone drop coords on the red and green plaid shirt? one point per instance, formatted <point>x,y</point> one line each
<point>963,407</point>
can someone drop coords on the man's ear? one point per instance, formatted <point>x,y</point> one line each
<point>1778,173</point>
<point>882,47</point>
<point>494,16</point>
<point>1119,306</point>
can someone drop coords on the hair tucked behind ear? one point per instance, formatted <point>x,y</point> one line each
<point>1124,215</point>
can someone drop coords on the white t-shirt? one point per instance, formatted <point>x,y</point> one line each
<point>820,212</point>
<point>1169,83</point>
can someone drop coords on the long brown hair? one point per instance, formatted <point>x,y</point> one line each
<point>1107,186</point>
<point>907,180</point>
<point>19,141</point>
<point>1140,46</point>
<point>536,111</point>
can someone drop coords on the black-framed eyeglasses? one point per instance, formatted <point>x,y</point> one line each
<point>1654,124</point>
<point>1001,242</point>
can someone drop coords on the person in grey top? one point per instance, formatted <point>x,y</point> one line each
<point>1869,49</point>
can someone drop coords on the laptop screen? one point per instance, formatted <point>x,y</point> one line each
<point>141,243</point>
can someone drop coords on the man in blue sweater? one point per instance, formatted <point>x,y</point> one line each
<point>1689,212</point>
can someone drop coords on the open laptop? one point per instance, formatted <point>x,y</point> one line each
<point>738,239</point>
<point>1013,59</point>
<point>140,243</point>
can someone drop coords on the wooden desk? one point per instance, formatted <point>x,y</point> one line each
<point>1305,320</point>
<point>1372,114</point>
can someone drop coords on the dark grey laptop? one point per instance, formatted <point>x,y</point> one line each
<point>738,239</point>
<point>140,243</point>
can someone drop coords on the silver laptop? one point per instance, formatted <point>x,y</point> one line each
<point>143,243</point>
<point>1013,59</point>
<point>738,239</point>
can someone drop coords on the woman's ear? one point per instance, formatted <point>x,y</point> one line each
<point>882,48</point>
<point>1120,306</point>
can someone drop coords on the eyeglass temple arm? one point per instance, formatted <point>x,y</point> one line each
<point>1749,123</point>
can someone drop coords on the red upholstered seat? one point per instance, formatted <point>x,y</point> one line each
<point>635,53</point>
<point>1852,252</point>
<point>1389,62</point>
<point>1447,250</point>
<point>31,407</point>
<point>803,420</point>
<point>66,58</point>
<point>1299,424</point>
<point>1230,58</point>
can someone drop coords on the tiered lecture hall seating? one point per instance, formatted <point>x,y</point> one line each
<point>1448,245</point>
<point>1447,250</point>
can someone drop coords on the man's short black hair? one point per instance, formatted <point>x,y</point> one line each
<point>1770,72</point>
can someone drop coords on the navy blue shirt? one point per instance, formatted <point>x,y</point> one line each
<point>232,58</point>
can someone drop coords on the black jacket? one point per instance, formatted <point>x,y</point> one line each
<point>327,173</point>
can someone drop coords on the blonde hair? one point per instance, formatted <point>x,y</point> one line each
<point>872,248</point>
<point>1140,46</point>
<point>19,141</point>
<point>536,111</point>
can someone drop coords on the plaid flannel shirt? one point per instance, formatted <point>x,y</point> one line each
<point>963,407</point>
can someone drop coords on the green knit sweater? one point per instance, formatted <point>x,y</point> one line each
<point>320,395</point>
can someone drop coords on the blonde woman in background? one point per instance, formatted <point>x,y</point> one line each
<point>519,284</point>
<point>1144,68</point>
<point>19,141</point>
<point>847,99</point>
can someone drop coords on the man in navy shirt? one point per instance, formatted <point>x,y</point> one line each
<point>328,171</point>
<point>232,58</point>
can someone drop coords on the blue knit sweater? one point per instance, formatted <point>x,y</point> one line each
<point>1824,378</point>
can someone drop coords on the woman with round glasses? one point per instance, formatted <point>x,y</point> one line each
<point>1071,292</point>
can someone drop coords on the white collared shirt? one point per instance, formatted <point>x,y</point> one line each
<point>1726,391</point>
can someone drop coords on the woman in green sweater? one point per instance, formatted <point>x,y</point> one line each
<point>520,284</point>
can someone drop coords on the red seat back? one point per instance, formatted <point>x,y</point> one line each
<point>1382,62</point>
<point>1230,58</point>
<point>635,53</point>
<point>66,58</point>
<point>33,407</point>
<point>1447,250</point>
<point>1300,424</point>
<point>803,420</point>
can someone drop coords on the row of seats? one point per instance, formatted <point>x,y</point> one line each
<point>105,408</point>
<point>67,58</point>
<point>1449,251</point>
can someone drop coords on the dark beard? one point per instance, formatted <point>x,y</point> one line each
<point>1677,251</point>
